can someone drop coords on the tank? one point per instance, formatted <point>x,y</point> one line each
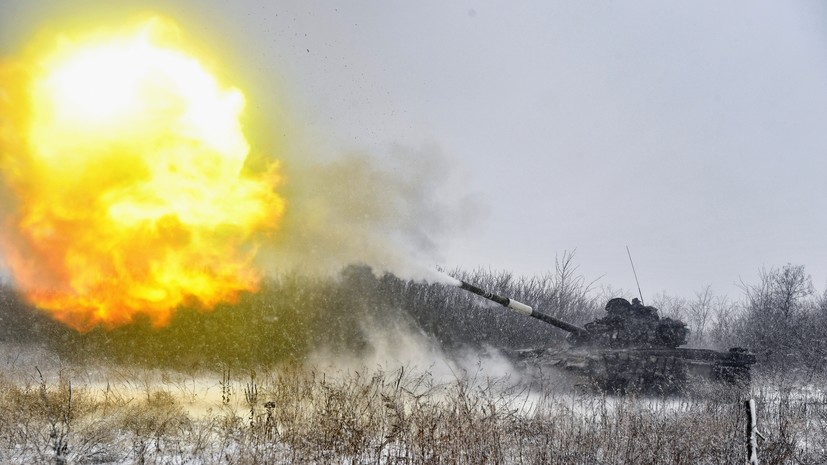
<point>631,349</point>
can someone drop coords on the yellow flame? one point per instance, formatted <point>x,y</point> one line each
<point>126,158</point>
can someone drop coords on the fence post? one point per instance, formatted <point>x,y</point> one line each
<point>752,432</point>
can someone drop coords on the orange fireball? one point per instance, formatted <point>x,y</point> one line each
<point>123,161</point>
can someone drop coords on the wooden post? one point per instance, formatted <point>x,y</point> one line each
<point>752,432</point>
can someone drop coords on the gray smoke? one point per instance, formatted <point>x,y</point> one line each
<point>390,213</point>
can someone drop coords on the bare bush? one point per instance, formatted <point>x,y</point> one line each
<point>779,311</point>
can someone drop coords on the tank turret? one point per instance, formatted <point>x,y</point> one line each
<point>632,325</point>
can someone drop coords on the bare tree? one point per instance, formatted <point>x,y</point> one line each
<point>698,314</point>
<point>571,290</point>
<point>778,313</point>
<point>780,294</point>
<point>726,317</point>
<point>670,306</point>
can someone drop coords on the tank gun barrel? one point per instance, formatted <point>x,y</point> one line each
<point>520,307</point>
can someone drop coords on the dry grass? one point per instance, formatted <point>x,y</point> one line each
<point>300,415</point>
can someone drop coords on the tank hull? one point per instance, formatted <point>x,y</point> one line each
<point>645,370</point>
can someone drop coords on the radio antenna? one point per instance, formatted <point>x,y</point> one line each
<point>635,273</point>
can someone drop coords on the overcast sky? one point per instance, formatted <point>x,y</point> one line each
<point>693,132</point>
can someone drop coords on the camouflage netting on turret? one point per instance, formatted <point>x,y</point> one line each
<point>630,325</point>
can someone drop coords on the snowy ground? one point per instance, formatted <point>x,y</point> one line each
<point>51,410</point>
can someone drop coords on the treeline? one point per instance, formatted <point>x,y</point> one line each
<point>292,316</point>
<point>781,318</point>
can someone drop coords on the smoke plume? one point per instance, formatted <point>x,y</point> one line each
<point>390,213</point>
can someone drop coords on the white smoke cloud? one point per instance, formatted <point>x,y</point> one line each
<point>402,347</point>
<point>392,214</point>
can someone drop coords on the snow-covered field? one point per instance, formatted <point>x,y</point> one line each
<point>54,412</point>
